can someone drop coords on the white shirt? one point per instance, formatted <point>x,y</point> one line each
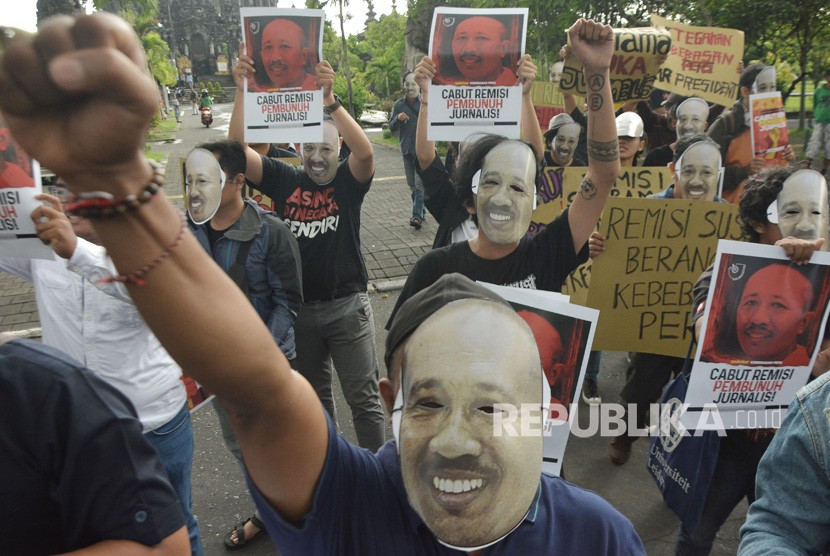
<point>98,325</point>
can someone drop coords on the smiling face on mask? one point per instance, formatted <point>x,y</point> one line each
<point>802,206</point>
<point>470,486</point>
<point>506,189</point>
<point>691,117</point>
<point>204,182</point>
<point>564,144</point>
<point>696,173</point>
<point>320,159</point>
<point>411,87</point>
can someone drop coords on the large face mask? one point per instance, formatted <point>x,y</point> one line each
<point>505,190</point>
<point>801,210</point>
<point>697,172</point>
<point>765,81</point>
<point>204,182</point>
<point>691,117</point>
<point>469,479</point>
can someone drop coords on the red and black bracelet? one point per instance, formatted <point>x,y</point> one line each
<point>100,204</point>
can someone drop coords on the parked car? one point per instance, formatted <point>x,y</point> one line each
<point>373,118</point>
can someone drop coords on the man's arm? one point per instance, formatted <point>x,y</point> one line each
<point>394,122</point>
<point>198,313</point>
<point>593,45</point>
<point>424,148</point>
<point>362,157</point>
<point>285,271</point>
<point>789,515</point>
<point>531,132</point>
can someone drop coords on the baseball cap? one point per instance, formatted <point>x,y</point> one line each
<point>629,124</point>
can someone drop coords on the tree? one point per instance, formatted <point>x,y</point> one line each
<point>384,74</point>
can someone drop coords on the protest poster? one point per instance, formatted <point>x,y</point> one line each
<point>563,333</point>
<point>762,328</point>
<point>634,66</point>
<point>655,250</point>
<point>282,100</point>
<point>475,88</point>
<point>703,61</point>
<point>558,190</point>
<point>547,101</point>
<point>770,135</point>
<point>19,184</point>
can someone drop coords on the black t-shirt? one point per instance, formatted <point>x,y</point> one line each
<point>75,468</point>
<point>542,262</point>
<point>325,219</point>
<point>661,156</point>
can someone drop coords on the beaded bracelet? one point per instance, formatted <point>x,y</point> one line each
<point>137,278</point>
<point>100,204</point>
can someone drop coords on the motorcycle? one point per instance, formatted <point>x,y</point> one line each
<point>207,116</point>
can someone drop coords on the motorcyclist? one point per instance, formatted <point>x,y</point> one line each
<point>205,101</point>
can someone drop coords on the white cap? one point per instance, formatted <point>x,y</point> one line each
<point>629,124</point>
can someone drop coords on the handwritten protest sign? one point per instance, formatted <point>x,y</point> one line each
<point>762,329</point>
<point>475,88</point>
<point>634,66</point>
<point>558,190</point>
<point>547,101</point>
<point>564,333</point>
<point>282,100</point>
<point>655,250</point>
<point>703,61</point>
<point>770,135</point>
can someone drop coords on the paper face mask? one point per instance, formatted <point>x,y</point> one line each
<point>204,182</point>
<point>801,210</point>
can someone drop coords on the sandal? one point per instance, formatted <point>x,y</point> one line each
<point>415,222</point>
<point>239,529</point>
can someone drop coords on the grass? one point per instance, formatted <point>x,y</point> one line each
<point>162,130</point>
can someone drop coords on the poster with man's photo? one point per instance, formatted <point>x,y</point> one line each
<point>564,333</point>
<point>282,100</point>
<point>769,133</point>
<point>19,184</point>
<point>763,324</point>
<point>475,88</point>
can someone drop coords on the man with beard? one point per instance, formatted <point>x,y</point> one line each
<point>404,120</point>
<point>690,117</point>
<point>318,493</point>
<point>497,183</point>
<point>321,204</point>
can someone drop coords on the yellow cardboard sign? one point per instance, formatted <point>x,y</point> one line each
<point>634,66</point>
<point>703,61</point>
<point>655,250</point>
<point>558,190</point>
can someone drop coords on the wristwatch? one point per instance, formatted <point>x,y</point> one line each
<point>329,108</point>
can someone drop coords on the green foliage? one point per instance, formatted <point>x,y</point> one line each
<point>158,58</point>
<point>361,95</point>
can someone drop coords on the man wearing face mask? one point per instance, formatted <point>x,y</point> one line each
<point>260,255</point>
<point>695,169</point>
<point>404,120</point>
<point>561,142</point>
<point>690,116</point>
<point>731,130</point>
<point>496,177</point>
<point>321,204</point>
<point>801,207</point>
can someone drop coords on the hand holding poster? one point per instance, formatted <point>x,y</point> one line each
<point>703,61</point>
<point>283,102</point>
<point>19,184</point>
<point>770,135</point>
<point>564,333</point>
<point>634,67</point>
<point>475,85</point>
<point>547,101</point>
<point>762,329</point>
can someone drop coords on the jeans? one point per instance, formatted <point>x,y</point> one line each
<point>416,186</point>
<point>733,479</point>
<point>592,369</point>
<point>342,332</point>
<point>173,442</point>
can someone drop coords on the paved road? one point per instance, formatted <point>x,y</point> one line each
<point>391,248</point>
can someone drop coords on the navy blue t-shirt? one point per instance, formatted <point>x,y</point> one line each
<point>361,508</point>
<point>75,468</point>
